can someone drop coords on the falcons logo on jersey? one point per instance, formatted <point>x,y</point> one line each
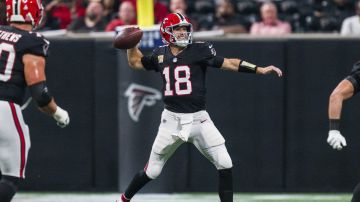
<point>138,97</point>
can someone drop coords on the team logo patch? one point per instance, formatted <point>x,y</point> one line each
<point>138,97</point>
<point>160,58</point>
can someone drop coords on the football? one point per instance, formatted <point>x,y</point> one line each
<point>128,38</point>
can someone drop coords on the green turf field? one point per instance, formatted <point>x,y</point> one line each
<point>198,197</point>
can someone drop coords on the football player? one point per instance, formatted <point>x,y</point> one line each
<point>182,64</point>
<point>22,65</point>
<point>343,91</point>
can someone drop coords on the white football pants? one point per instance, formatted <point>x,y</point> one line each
<point>14,140</point>
<point>196,128</point>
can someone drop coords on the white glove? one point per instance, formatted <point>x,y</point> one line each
<point>62,117</point>
<point>336,140</point>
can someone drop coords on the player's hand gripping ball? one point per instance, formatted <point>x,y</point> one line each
<point>128,38</point>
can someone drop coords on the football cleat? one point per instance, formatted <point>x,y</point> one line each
<point>123,199</point>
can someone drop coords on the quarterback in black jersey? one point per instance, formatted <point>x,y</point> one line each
<point>22,65</point>
<point>182,65</point>
<point>343,91</point>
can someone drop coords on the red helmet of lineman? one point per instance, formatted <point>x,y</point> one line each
<point>171,22</point>
<point>24,11</point>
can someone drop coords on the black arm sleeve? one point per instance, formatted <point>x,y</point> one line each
<point>40,93</point>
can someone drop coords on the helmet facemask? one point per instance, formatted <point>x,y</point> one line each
<point>181,42</point>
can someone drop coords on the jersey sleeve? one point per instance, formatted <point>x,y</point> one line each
<point>354,77</point>
<point>208,55</point>
<point>150,62</point>
<point>36,44</point>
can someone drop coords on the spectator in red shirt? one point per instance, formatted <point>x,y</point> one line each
<point>160,11</point>
<point>126,16</point>
<point>58,15</point>
<point>78,9</point>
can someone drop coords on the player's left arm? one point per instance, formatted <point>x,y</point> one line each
<point>243,66</point>
<point>343,91</point>
<point>34,71</point>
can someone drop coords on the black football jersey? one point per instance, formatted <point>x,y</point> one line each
<point>354,77</point>
<point>184,74</point>
<point>14,43</point>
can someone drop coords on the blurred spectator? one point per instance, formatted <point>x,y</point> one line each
<point>336,12</point>
<point>92,21</point>
<point>270,24</point>
<point>351,25</point>
<point>226,18</point>
<point>78,9</point>
<point>126,16</point>
<point>341,9</point>
<point>180,6</point>
<point>58,15</point>
<point>2,13</point>
<point>290,11</point>
<point>327,15</point>
<point>248,9</point>
<point>203,13</point>
<point>160,10</point>
<point>109,13</point>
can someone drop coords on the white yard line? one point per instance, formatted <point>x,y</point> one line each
<point>212,197</point>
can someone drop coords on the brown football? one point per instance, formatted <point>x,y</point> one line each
<point>128,38</point>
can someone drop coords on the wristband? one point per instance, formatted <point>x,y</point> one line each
<point>334,124</point>
<point>247,67</point>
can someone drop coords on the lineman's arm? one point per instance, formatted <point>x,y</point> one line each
<point>34,70</point>
<point>134,56</point>
<point>243,66</point>
<point>343,91</point>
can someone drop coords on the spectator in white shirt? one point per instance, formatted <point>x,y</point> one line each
<point>351,25</point>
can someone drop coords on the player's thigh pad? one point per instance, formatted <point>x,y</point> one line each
<point>165,141</point>
<point>155,165</point>
<point>14,140</point>
<point>157,161</point>
<point>209,135</point>
<point>219,156</point>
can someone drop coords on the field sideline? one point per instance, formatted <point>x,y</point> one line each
<point>193,197</point>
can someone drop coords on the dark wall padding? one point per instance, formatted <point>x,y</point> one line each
<point>275,128</point>
<point>81,74</point>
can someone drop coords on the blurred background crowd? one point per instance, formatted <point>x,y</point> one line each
<point>257,17</point>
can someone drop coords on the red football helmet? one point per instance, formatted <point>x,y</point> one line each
<point>171,22</point>
<point>25,11</point>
